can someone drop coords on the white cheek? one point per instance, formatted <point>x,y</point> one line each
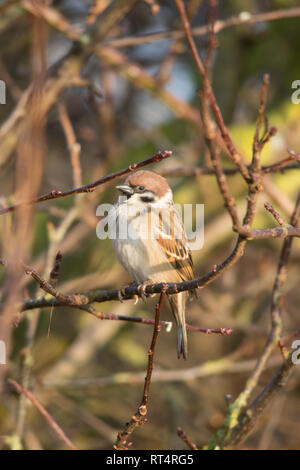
<point>164,201</point>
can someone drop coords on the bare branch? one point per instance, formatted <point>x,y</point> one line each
<point>236,419</point>
<point>56,268</point>
<point>258,406</point>
<point>188,442</point>
<point>139,417</point>
<point>219,25</point>
<point>234,153</point>
<point>48,418</point>
<point>199,171</point>
<point>56,194</point>
<point>73,145</point>
<point>275,214</point>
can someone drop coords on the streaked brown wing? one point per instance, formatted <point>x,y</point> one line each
<point>175,248</point>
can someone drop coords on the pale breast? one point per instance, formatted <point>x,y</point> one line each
<point>141,255</point>
<point>130,245</point>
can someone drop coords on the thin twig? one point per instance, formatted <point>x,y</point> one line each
<point>258,143</point>
<point>258,406</point>
<point>55,194</point>
<point>250,19</point>
<point>84,299</point>
<point>281,165</point>
<point>73,145</point>
<point>87,298</point>
<point>224,365</point>
<point>56,268</point>
<point>275,214</point>
<point>139,417</point>
<point>236,420</point>
<point>233,152</point>
<point>197,171</point>
<point>48,418</point>
<point>188,442</point>
<point>255,168</point>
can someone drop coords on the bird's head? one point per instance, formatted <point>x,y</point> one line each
<point>146,188</point>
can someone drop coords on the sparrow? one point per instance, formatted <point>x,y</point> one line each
<point>152,247</point>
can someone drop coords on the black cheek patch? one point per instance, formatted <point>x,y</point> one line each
<point>147,198</point>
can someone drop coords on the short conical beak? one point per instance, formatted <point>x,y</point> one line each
<point>125,189</point>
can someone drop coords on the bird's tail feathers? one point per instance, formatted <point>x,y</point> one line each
<point>177,302</point>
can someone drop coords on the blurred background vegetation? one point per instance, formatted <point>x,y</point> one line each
<point>89,373</point>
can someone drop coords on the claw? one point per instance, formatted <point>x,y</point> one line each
<point>121,291</point>
<point>121,294</point>
<point>142,289</point>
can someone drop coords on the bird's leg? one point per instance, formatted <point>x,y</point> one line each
<point>121,291</point>
<point>142,289</point>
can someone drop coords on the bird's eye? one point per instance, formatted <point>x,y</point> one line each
<point>141,188</point>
